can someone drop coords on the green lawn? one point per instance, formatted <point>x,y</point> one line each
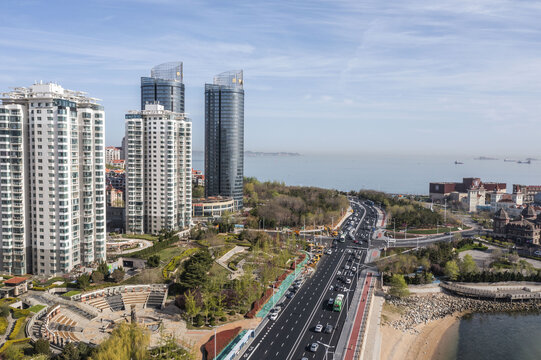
<point>148,237</point>
<point>71,293</point>
<point>440,230</point>
<point>36,308</point>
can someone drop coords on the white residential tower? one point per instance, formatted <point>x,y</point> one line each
<point>52,180</point>
<point>158,170</point>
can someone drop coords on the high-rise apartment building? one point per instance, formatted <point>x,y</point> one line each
<point>164,86</point>
<point>158,170</point>
<point>224,137</point>
<point>52,177</point>
<point>112,153</point>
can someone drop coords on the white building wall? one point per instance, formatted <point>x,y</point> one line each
<point>158,170</point>
<point>65,172</point>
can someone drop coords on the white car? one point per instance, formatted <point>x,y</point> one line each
<point>538,253</point>
<point>339,272</point>
<point>274,316</point>
<point>319,328</point>
<point>354,268</point>
<point>346,267</point>
<point>348,281</point>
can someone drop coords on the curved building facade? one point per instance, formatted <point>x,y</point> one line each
<point>165,85</point>
<point>224,137</point>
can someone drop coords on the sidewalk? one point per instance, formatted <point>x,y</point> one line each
<point>348,324</point>
<point>354,344</point>
<point>349,212</point>
<point>372,342</point>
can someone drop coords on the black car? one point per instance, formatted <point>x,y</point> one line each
<point>328,329</point>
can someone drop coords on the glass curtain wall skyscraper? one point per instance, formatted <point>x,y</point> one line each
<point>164,86</point>
<point>224,136</point>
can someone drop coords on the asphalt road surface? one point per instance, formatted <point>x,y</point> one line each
<point>293,332</point>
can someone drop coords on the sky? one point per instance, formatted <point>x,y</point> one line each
<point>335,77</point>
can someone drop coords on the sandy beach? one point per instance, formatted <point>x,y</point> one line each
<point>398,345</point>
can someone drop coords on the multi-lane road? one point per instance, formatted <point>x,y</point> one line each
<point>292,334</point>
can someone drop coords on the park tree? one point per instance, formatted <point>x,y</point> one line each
<point>451,269</point>
<point>153,261</point>
<point>127,342</point>
<point>195,269</point>
<point>118,275</point>
<point>468,265</point>
<point>398,287</point>
<point>513,257</point>
<point>97,277</point>
<point>83,281</point>
<point>13,353</point>
<point>190,305</point>
<point>496,254</point>
<point>4,310</point>
<point>69,352</point>
<point>41,346</point>
<point>103,268</point>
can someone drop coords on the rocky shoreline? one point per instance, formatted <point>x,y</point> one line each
<point>423,309</point>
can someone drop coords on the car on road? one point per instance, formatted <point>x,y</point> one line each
<point>330,302</point>
<point>338,272</point>
<point>354,268</point>
<point>304,358</point>
<point>318,328</point>
<point>537,253</point>
<point>346,267</point>
<point>289,295</point>
<point>348,281</point>
<point>331,288</point>
<point>314,347</point>
<point>274,316</point>
<point>328,329</point>
<point>275,309</point>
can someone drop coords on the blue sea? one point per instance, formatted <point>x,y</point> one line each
<point>405,174</point>
<point>493,337</point>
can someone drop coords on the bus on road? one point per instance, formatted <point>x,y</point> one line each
<point>337,306</point>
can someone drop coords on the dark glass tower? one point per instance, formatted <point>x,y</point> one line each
<point>224,136</point>
<point>164,86</point>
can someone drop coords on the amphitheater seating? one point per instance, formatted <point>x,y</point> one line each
<point>135,298</point>
<point>99,303</point>
<point>155,299</point>
<point>115,302</point>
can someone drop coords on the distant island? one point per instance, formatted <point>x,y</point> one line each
<point>261,153</point>
<point>484,158</point>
